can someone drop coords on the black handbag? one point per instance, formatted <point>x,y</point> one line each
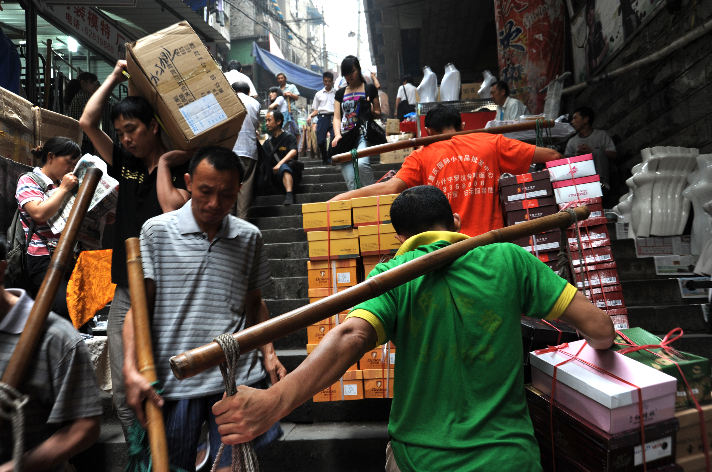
<point>404,107</point>
<point>375,134</point>
<point>349,140</point>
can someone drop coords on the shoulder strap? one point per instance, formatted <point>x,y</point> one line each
<point>31,227</point>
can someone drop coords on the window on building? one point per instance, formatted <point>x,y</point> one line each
<point>294,8</point>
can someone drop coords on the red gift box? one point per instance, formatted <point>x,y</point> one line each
<point>591,237</point>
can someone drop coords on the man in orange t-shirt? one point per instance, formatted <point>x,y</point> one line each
<point>466,168</point>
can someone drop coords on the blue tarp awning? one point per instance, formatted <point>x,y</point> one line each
<point>297,75</point>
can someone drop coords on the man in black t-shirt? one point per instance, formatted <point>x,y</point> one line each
<point>151,182</point>
<point>282,149</point>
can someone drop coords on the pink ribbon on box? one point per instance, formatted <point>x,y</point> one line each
<point>574,357</point>
<point>670,338</point>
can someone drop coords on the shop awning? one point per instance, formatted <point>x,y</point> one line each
<point>298,75</point>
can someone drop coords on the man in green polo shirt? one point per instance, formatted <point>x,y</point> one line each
<point>458,400</point>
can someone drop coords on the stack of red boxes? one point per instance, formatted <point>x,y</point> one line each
<point>527,197</point>
<point>594,270</point>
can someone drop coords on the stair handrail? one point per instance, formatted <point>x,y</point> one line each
<point>195,361</point>
<point>424,141</point>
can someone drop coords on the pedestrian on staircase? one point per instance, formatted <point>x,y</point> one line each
<point>471,183</point>
<point>281,148</point>
<point>151,181</point>
<point>354,105</point>
<point>246,148</point>
<point>63,413</point>
<point>323,108</point>
<point>458,402</point>
<point>204,270</point>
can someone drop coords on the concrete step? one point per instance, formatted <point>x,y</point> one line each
<point>653,292</point>
<point>287,287</point>
<point>378,169</point>
<point>662,319</point>
<point>300,197</point>
<point>623,249</point>
<point>277,222</point>
<point>296,250</point>
<point>288,235</point>
<point>322,178</point>
<point>278,307</point>
<point>637,269</point>
<point>277,210</point>
<point>359,447</point>
<point>288,267</point>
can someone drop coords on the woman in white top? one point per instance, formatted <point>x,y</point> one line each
<point>277,102</point>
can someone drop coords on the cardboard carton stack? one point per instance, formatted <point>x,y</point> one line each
<point>24,126</point>
<point>346,241</point>
<point>596,410</point>
<point>575,183</point>
<point>527,197</point>
<point>396,157</point>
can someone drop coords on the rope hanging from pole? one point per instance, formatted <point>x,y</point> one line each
<point>354,163</point>
<point>244,458</point>
<point>12,404</point>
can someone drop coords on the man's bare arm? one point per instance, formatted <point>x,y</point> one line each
<point>67,442</point>
<point>390,187</point>
<point>91,118</point>
<point>595,325</point>
<point>542,154</point>
<point>169,197</point>
<point>251,412</point>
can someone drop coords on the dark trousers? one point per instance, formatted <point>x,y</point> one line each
<point>324,126</point>
<point>37,269</point>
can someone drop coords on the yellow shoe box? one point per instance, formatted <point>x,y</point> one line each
<point>322,274</point>
<point>352,388</point>
<point>374,359</point>
<point>372,210</point>
<point>326,215</point>
<point>378,239</point>
<point>340,244</point>
<point>374,383</point>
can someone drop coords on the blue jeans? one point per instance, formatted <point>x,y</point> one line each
<point>364,168</point>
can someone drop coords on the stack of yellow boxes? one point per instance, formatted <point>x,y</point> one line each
<point>339,233</point>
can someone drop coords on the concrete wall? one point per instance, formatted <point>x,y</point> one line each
<point>667,103</point>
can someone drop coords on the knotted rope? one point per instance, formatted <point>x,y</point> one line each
<point>354,164</point>
<point>12,404</point>
<point>244,458</point>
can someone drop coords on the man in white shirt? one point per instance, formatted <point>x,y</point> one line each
<point>591,141</point>
<point>406,92</point>
<point>246,148</point>
<point>323,106</point>
<point>508,108</point>
<point>234,74</point>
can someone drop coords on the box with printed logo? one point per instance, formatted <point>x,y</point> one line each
<point>378,239</point>
<point>370,262</point>
<point>324,216</point>
<point>567,191</point>
<point>372,210</point>
<point>315,333</point>
<point>525,186</point>
<point>528,214</point>
<point>592,256</point>
<point>544,242</point>
<point>591,237</point>
<point>689,437</point>
<point>349,387</point>
<point>379,358</point>
<point>598,277</point>
<point>378,383</point>
<point>594,205</point>
<point>324,274</point>
<point>340,244</point>
<point>175,72</point>
<point>571,167</point>
<point>608,300</point>
<point>619,321</point>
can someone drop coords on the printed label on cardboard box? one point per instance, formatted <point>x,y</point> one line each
<point>654,450</point>
<point>350,390</point>
<point>203,114</point>
<point>343,278</point>
<point>675,265</point>
<point>663,246</point>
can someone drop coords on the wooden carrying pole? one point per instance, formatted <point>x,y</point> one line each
<point>415,142</point>
<point>30,337</point>
<point>197,360</point>
<point>144,353</point>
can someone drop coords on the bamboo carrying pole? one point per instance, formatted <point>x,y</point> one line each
<point>30,337</point>
<point>144,353</point>
<point>197,360</point>
<point>416,142</point>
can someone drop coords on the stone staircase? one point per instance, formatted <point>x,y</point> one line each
<point>352,435</point>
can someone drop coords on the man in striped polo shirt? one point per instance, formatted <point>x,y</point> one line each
<point>204,269</point>
<point>62,417</point>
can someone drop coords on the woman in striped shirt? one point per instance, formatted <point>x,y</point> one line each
<point>58,156</point>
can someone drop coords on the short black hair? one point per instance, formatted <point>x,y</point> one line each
<point>586,112</point>
<point>133,107</point>
<point>277,115</point>
<point>419,209</point>
<point>443,116</point>
<point>59,146</point>
<point>502,85</point>
<point>234,65</point>
<point>327,75</point>
<point>407,78</point>
<point>219,157</point>
<point>276,90</point>
<point>241,87</point>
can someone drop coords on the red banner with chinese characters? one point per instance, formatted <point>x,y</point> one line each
<point>531,47</point>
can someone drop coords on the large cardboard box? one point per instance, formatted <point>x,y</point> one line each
<point>689,437</point>
<point>525,186</point>
<point>323,274</point>
<point>392,126</point>
<point>49,124</point>
<point>396,157</point>
<point>372,210</point>
<point>379,358</point>
<point>469,91</point>
<point>326,215</point>
<point>341,244</point>
<point>174,71</point>
<point>378,383</point>
<point>16,111</point>
<point>378,239</point>
<point>349,388</point>
<point>315,333</point>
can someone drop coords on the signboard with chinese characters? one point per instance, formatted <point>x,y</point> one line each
<point>96,3</point>
<point>93,29</point>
